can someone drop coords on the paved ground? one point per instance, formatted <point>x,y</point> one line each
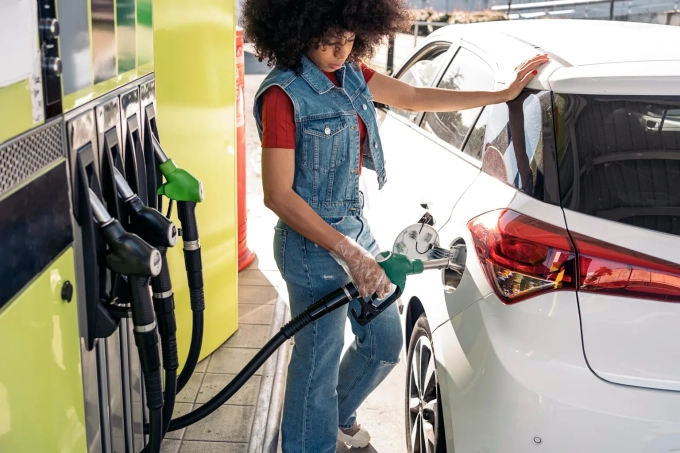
<point>230,429</point>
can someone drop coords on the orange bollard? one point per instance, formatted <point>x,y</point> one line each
<point>245,255</point>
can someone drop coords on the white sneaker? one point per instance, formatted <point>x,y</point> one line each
<point>356,436</point>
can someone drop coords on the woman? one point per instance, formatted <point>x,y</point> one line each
<point>318,127</point>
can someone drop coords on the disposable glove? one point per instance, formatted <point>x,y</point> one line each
<point>366,273</point>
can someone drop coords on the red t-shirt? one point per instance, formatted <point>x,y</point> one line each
<point>278,116</point>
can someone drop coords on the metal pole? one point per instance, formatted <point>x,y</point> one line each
<point>390,55</point>
<point>611,10</point>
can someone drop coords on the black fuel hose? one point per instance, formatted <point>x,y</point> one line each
<point>331,302</point>
<point>164,306</point>
<point>186,211</point>
<point>146,339</point>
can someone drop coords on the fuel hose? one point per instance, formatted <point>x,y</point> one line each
<point>322,307</point>
<point>144,321</point>
<point>186,211</point>
<point>164,306</point>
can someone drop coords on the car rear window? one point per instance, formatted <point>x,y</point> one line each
<point>619,158</point>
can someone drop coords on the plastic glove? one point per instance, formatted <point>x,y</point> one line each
<point>368,276</point>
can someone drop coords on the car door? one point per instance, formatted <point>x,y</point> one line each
<point>427,168</point>
<point>400,135</point>
<point>462,134</point>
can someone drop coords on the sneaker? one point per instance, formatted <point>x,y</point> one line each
<point>356,436</point>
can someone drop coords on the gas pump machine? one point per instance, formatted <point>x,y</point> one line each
<point>93,288</point>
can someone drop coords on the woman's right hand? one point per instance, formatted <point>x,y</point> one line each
<point>369,277</point>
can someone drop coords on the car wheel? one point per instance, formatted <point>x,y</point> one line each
<point>424,424</point>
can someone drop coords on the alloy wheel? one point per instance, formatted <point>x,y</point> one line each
<point>422,387</point>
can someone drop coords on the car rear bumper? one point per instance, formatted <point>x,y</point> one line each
<point>511,375</point>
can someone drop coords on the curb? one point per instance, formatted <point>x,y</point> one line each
<point>265,430</point>
<point>278,391</point>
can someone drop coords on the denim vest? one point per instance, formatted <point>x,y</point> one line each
<point>327,135</point>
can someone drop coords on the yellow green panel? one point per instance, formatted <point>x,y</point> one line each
<point>16,114</point>
<point>195,70</point>
<point>82,97</point>
<point>125,35</point>
<point>41,390</point>
<point>145,31</point>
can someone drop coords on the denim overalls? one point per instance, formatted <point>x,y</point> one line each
<point>323,391</point>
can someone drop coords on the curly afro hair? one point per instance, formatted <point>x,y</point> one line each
<point>283,30</point>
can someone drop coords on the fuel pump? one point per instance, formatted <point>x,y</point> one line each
<point>132,257</point>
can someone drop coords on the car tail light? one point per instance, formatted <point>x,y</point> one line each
<point>522,256</point>
<point>608,268</point>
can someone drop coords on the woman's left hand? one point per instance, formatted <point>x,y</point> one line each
<point>524,73</point>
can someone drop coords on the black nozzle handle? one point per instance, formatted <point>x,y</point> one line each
<point>369,311</point>
<point>128,253</point>
<point>149,224</point>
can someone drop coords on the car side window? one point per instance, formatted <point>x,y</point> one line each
<point>519,145</point>
<point>467,72</point>
<point>422,71</point>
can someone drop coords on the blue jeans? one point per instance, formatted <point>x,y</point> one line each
<point>324,389</point>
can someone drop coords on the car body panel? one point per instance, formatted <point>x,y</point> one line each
<point>640,78</point>
<point>626,340</point>
<point>510,373</point>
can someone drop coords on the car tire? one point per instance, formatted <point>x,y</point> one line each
<point>424,418</point>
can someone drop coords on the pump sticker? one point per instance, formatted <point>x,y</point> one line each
<point>35,81</point>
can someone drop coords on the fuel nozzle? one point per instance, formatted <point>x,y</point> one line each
<point>181,185</point>
<point>128,253</point>
<point>146,222</point>
<point>398,267</point>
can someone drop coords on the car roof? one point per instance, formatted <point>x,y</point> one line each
<point>584,42</point>
<point>580,50</point>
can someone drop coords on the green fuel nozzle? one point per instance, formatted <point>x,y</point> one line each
<point>181,185</point>
<point>398,266</point>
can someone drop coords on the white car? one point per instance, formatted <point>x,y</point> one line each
<point>557,329</point>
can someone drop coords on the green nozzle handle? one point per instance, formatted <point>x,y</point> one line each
<point>398,267</point>
<point>181,185</point>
